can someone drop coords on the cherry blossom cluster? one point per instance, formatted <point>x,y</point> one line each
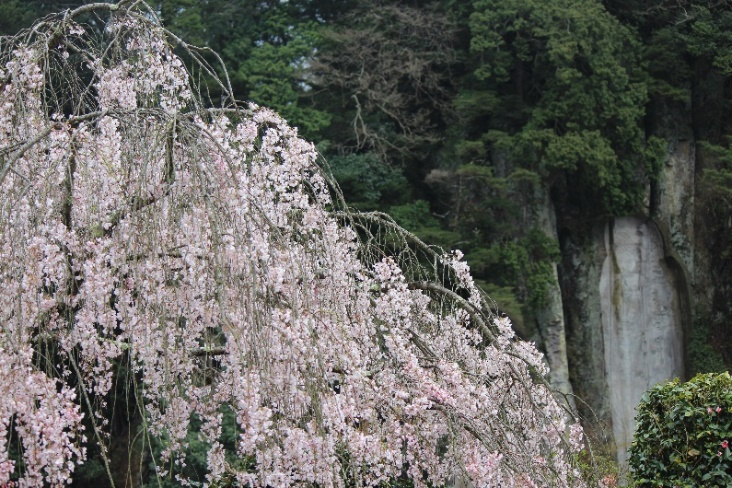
<point>203,249</point>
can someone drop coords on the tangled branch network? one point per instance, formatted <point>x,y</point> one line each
<point>207,252</point>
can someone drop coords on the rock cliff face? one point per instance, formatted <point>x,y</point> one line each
<point>641,320</point>
<point>627,287</point>
<point>550,319</point>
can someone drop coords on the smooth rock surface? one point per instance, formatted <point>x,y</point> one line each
<point>641,320</point>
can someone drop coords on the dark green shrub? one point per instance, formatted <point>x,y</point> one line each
<point>683,434</point>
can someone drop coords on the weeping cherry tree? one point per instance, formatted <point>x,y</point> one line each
<point>208,251</point>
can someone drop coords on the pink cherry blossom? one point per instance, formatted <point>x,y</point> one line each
<point>207,251</point>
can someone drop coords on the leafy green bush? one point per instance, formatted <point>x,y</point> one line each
<point>683,434</point>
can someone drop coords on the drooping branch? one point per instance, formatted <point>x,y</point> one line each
<point>475,314</point>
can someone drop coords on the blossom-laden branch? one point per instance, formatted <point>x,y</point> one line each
<point>204,249</point>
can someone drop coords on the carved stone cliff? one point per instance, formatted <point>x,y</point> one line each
<point>641,320</point>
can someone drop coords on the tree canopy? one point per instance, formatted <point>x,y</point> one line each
<point>203,251</point>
